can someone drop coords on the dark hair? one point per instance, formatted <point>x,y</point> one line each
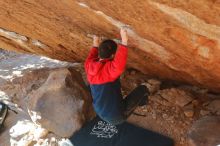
<point>107,48</point>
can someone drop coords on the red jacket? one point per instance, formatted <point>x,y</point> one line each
<point>100,72</point>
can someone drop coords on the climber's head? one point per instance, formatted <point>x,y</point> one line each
<point>107,49</point>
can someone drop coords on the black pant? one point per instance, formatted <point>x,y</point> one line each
<point>135,98</point>
<point>129,103</point>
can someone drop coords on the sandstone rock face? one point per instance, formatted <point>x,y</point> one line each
<point>178,40</point>
<point>62,104</point>
<point>205,132</point>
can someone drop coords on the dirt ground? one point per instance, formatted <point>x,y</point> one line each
<point>168,119</point>
<point>162,116</point>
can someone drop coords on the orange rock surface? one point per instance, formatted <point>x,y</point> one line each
<point>177,40</point>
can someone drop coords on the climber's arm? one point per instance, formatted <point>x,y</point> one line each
<point>117,65</point>
<point>93,54</point>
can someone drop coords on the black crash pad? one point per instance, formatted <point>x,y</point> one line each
<point>99,133</point>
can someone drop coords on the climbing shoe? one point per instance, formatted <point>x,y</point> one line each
<point>3,113</point>
<point>138,97</point>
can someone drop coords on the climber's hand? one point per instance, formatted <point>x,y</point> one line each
<point>96,41</point>
<point>124,36</point>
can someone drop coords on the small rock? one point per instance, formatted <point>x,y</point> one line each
<point>195,102</point>
<point>173,108</point>
<point>145,110</point>
<point>153,85</point>
<point>65,142</point>
<point>206,103</point>
<point>187,122</point>
<point>133,72</point>
<point>189,111</point>
<point>214,106</point>
<point>154,82</point>
<point>204,112</point>
<point>182,140</point>
<point>165,116</point>
<point>177,110</point>
<point>205,132</point>
<point>203,91</point>
<point>171,119</point>
<point>154,116</point>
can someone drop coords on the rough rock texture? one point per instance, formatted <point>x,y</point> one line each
<point>15,94</point>
<point>175,96</point>
<point>205,132</point>
<point>62,104</point>
<point>153,85</point>
<point>31,131</point>
<point>176,40</point>
<point>156,116</point>
<point>214,106</point>
<point>189,111</point>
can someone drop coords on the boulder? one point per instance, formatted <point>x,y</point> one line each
<point>62,104</point>
<point>205,132</point>
<point>177,40</point>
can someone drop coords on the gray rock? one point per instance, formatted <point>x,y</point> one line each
<point>62,104</point>
<point>205,132</point>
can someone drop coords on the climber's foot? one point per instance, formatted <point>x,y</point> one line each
<point>3,113</point>
<point>138,97</point>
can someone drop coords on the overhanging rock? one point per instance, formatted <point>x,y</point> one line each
<point>171,40</point>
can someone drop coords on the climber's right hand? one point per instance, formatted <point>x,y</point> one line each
<point>124,36</point>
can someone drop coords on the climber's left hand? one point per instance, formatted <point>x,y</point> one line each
<point>96,41</point>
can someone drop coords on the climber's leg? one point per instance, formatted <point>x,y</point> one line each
<point>139,96</point>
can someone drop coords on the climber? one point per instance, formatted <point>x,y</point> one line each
<point>104,65</point>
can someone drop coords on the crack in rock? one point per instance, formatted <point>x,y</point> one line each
<point>21,39</point>
<point>12,35</point>
<point>39,44</point>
